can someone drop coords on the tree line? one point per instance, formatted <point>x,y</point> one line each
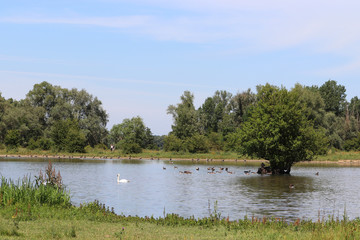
<point>215,125</point>
<point>71,120</point>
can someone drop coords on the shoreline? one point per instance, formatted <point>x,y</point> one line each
<point>70,157</point>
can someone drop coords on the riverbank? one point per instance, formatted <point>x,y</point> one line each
<point>95,221</point>
<point>126,228</point>
<point>338,158</point>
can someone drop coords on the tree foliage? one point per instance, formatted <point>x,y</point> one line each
<point>185,117</point>
<point>334,97</point>
<point>278,130</point>
<point>56,103</point>
<point>131,135</point>
<point>67,136</point>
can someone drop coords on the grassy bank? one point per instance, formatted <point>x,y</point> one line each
<point>93,221</point>
<point>41,209</point>
<point>332,156</point>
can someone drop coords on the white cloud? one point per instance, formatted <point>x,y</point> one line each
<point>256,26</point>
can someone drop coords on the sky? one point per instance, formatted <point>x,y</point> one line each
<point>139,56</point>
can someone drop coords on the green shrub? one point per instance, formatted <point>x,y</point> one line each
<point>129,147</point>
<point>32,144</point>
<point>101,146</point>
<point>197,144</point>
<point>173,144</point>
<point>45,143</point>
<point>12,139</point>
<point>89,149</point>
<point>67,136</point>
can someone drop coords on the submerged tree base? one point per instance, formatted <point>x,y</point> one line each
<point>273,171</point>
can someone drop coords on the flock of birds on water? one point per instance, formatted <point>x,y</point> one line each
<point>211,170</point>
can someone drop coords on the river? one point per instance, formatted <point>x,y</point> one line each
<point>155,191</point>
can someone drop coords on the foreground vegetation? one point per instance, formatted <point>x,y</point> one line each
<point>42,210</point>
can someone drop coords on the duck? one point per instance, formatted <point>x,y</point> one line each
<point>291,186</point>
<point>121,180</point>
<point>317,173</point>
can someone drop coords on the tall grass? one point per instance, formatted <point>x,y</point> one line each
<point>43,190</point>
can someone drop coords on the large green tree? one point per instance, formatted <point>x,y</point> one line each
<point>185,117</point>
<point>334,97</point>
<point>60,104</point>
<point>278,129</point>
<point>131,135</point>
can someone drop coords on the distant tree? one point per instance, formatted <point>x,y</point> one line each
<point>279,130</point>
<point>334,97</point>
<point>314,103</point>
<point>208,119</point>
<point>60,103</point>
<point>354,109</point>
<point>159,141</point>
<point>131,135</point>
<point>67,136</point>
<point>240,104</point>
<point>185,117</point>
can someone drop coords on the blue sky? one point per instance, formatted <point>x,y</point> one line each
<point>139,56</point>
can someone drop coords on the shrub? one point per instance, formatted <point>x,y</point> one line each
<point>100,146</point>
<point>12,139</point>
<point>67,136</point>
<point>89,149</point>
<point>32,144</point>
<point>173,143</point>
<point>197,144</point>
<point>45,143</point>
<point>129,147</point>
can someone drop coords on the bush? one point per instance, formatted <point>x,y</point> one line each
<point>232,142</point>
<point>197,144</point>
<point>216,141</point>
<point>352,144</point>
<point>45,143</point>
<point>41,143</point>
<point>129,147</point>
<point>67,136</point>
<point>32,145</point>
<point>173,144</point>
<point>89,149</point>
<point>12,139</point>
<point>101,146</point>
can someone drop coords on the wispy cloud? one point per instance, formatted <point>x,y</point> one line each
<point>259,23</point>
<point>101,80</point>
<point>256,26</point>
<point>114,22</point>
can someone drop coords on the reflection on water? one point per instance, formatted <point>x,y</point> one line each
<point>153,190</point>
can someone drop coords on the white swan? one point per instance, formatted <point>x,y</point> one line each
<point>121,180</point>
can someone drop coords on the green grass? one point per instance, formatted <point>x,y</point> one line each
<point>95,222</point>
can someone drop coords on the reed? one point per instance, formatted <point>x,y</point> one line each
<point>46,189</point>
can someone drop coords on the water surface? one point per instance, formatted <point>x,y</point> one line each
<point>153,191</point>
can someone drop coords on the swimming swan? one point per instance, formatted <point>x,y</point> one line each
<point>121,180</point>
